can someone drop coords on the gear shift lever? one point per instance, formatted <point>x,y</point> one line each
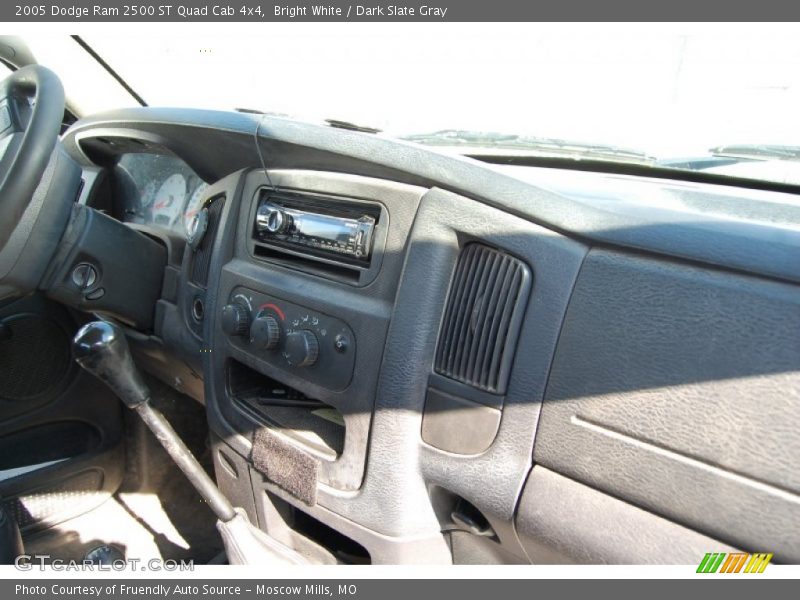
<point>101,348</point>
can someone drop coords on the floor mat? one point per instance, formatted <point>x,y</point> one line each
<point>109,524</point>
<point>156,513</point>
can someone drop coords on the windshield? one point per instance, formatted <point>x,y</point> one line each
<point>659,95</point>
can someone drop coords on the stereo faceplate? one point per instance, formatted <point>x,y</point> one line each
<point>332,228</point>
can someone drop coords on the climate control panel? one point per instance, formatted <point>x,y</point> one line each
<point>310,344</point>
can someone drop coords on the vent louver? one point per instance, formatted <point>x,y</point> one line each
<point>482,318</point>
<point>201,261</point>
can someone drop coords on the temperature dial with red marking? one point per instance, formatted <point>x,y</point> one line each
<point>265,332</point>
<point>302,348</point>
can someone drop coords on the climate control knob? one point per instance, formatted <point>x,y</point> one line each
<point>302,348</point>
<point>265,332</point>
<point>235,319</point>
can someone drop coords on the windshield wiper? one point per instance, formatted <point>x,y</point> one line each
<point>257,111</point>
<point>756,151</point>
<point>336,123</point>
<point>475,142</point>
<point>350,126</point>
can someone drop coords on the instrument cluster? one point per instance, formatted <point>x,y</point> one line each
<point>159,190</point>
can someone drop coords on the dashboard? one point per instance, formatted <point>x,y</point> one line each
<point>433,359</point>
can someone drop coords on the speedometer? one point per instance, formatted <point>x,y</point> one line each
<point>169,200</point>
<point>147,195</point>
<point>193,206</point>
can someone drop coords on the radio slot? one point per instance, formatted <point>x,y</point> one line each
<point>310,264</point>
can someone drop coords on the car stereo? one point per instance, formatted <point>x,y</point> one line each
<point>307,223</point>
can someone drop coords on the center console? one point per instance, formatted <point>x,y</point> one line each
<point>304,279</point>
<point>323,311</point>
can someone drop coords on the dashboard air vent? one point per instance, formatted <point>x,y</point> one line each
<point>201,261</point>
<point>482,318</point>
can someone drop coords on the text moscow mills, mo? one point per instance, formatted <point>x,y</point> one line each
<point>188,590</point>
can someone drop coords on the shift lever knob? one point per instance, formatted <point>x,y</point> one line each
<point>101,348</point>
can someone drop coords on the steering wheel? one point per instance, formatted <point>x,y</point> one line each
<point>31,111</point>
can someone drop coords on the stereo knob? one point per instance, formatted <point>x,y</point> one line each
<point>265,332</point>
<point>272,219</point>
<point>235,319</point>
<point>302,348</point>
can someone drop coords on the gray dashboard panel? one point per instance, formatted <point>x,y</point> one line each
<point>396,502</point>
<point>676,388</point>
<point>561,521</point>
<point>366,310</point>
<point>737,243</point>
<point>492,479</point>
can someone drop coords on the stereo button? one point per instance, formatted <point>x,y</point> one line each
<point>341,343</point>
<point>271,219</point>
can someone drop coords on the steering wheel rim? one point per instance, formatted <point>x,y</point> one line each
<point>31,111</point>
